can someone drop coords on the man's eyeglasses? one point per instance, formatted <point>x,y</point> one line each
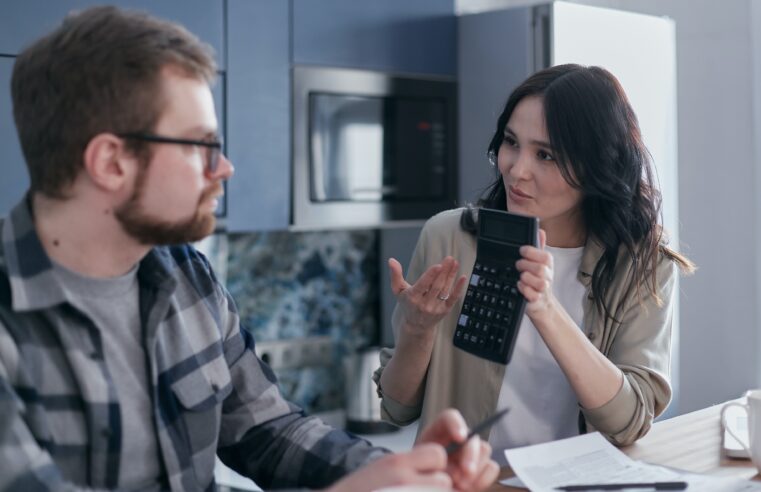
<point>213,147</point>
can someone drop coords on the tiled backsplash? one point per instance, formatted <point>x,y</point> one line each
<point>299,284</point>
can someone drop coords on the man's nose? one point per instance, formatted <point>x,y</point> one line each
<point>224,170</point>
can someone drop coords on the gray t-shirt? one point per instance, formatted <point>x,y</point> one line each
<point>114,306</point>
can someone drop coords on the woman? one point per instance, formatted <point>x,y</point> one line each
<point>593,351</point>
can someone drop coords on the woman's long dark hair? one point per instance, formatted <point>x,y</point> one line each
<point>598,148</point>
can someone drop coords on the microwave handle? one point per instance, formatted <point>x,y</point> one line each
<point>387,190</point>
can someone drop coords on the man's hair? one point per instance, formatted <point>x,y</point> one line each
<point>99,71</point>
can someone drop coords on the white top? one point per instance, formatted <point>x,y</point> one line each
<point>543,406</point>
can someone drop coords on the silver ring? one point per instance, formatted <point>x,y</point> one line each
<point>443,298</point>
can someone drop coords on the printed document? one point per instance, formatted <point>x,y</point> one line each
<point>591,459</point>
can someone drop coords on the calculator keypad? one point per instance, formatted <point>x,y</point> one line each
<point>490,314</point>
<point>493,307</point>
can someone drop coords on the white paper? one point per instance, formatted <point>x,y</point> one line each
<point>585,459</point>
<point>591,459</point>
<point>514,482</point>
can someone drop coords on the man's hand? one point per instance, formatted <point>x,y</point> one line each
<point>471,467</point>
<point>426,464</point>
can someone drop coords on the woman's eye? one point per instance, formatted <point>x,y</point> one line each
<point>544,156</point>
<point>510,141</point>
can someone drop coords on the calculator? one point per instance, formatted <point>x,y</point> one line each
<point>493,307</point>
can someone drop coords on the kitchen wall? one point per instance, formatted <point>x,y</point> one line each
<point>719,128</point>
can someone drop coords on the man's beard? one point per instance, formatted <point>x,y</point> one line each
<point>151,231</point>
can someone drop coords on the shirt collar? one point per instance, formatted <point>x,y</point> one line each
<point>30,271</point>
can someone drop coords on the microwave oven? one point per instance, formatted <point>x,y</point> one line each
<point>371,148</point>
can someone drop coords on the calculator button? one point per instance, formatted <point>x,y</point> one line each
<point>477,267</point>
<point>463,321</point>
<point>474,279</point>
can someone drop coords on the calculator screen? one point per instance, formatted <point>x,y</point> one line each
<point>503,230</point>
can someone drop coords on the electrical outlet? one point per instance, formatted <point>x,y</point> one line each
<point>296,352</point>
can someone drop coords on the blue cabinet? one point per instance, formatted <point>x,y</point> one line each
<point>392,35</point>
<point>24,21</point>
<point>14,179</point>
<point>258,115</point>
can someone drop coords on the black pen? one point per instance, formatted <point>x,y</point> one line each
<point>633,485</point>
<point>485,424</point>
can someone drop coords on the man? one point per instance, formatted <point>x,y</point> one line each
<point>122,361</point>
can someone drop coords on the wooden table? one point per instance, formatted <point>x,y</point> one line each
<point>689,442</point>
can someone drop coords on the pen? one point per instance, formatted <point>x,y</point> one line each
<point>633,485</point>
<point>485,424</point>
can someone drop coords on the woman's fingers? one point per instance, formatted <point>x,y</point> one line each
<point>398,284</point>
<point>441,289</point>
<point>424,286</point>
<point>535,254</point>
<point>457,291</point>
<point>536,282</point>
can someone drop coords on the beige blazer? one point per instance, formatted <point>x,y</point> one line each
<point>640,345</point>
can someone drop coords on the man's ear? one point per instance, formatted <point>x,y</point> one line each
<point>107,162</point>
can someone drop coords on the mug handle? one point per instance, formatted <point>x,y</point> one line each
<point>729,429</point>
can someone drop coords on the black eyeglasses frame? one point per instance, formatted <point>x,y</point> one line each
<point>214,148</point>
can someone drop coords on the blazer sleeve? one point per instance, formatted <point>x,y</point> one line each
<point>641,348</point>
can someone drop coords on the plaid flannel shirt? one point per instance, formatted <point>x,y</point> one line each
<point>60,420</point>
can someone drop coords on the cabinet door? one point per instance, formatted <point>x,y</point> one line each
<point>24,21</point>
<point>15,180</point>
<point>392,35</point>
<point>258,116</point>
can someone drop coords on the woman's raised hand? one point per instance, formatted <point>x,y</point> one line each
<point>430,299</point>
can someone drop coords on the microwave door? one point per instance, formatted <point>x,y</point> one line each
<point>347,148</point>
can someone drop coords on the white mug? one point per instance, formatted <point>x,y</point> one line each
<point>753,409</point>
